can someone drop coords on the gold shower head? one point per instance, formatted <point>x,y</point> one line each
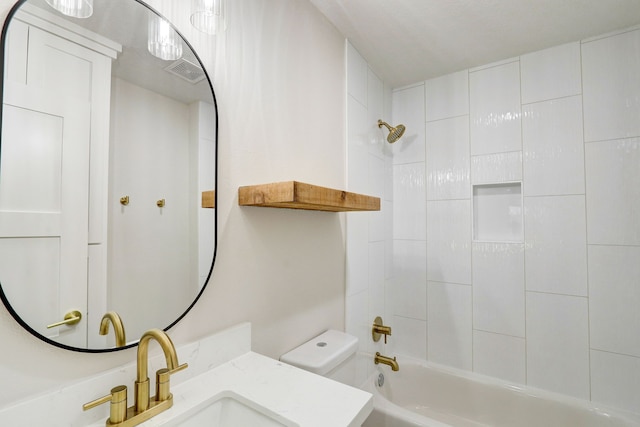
<point>395,133</point>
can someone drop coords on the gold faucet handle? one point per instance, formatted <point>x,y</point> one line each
<point>163,391</point>
<point>378,329</point>
<point>118,408</point>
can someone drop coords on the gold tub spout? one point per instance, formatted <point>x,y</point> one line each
<point>118,327</point>
<point>386,361</point>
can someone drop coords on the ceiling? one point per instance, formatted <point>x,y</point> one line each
<point>406,41</point>
<point>125,22</point>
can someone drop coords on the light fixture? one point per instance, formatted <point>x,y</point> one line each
<point>163,42</point>
<point>208,15</point>
<point>74,8</point>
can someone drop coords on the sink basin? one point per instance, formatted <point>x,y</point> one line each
<point>228,409</point>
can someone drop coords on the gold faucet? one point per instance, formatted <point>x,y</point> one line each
<point>118,327</point>
<point>387,361</point>
<point>144,407</point>
<point>142,401</point>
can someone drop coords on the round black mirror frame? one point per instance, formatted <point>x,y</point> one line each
<point>3,296</point>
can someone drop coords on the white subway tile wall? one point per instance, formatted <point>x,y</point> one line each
<point>613,191</point>
<point>409,202</point>
<point>449,324</point>
<point>448,96</point>
<point>558,343</point>
<point>610,83</point>
<point>449,241</point>
<point>614,298</point>
<point>495,108</point>
<point>448,160</point>
<point>407,285</point>
<point>496,168</point>
<point>556,244</point>
<point>556,309</point>
<point>615,379</point>
<point>500,356</point>
<point>376,188</point>
<point>498,299</point>
<point>376,278</point>
<point>551,73</point>
<point>357,73</point>
<point>408,109</point>
<point>553,147</point>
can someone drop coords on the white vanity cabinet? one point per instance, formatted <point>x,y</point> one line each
<point>54,173</point>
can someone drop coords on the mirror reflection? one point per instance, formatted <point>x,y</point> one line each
<point>107,172</point>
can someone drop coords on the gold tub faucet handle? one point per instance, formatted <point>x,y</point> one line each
<point>379,329</point>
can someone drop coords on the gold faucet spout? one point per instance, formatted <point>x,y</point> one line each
<point>142,375</point>
<point>118,327</point>
<point>166,345</point>
<point>386,361</point>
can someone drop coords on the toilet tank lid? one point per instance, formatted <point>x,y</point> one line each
<point>323,353</point>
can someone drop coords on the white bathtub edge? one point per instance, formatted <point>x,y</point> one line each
<point>382,403</point>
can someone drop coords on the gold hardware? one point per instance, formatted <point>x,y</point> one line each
<point>124,201</point>
<point>395,132</point>
<point>162,381</point>
<point>379,329</point>
<point>71,318</point>
<point>160,203</point>
<point>144,407</point>
<point>118,327</point>
<point>209,199</point>
<point>118,407</point>
<point>142,378</point>
<point>387,361</point>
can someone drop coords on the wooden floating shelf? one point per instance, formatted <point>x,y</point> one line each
<point>209,199</point>
<point>298,195</point>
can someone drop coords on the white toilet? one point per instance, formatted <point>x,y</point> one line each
<point>330,354</point>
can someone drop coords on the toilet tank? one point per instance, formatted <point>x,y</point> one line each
<point>330,354</point>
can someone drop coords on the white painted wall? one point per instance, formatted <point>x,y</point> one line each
<point>149,248</point>
<point>278,73</point>
<point>555,304</point>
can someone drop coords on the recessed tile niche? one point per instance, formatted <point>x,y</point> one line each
<point>497,212</point>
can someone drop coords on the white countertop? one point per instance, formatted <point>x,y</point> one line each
<point>297,395</point>
<point>222,362</point>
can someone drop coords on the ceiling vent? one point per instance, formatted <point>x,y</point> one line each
<point>186,70</point>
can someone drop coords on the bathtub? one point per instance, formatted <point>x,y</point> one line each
<point>423,394</point>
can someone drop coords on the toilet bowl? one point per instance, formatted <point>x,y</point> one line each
<point>330,354</point>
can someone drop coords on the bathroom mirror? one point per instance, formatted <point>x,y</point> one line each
<point>107,172</point>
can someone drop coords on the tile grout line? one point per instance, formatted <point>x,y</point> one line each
<point>586,226</point>
<point>524,236</point>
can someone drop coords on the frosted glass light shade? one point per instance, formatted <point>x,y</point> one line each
<point>208,15</point>
<point>74,8</point>
<point>163,42</point>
